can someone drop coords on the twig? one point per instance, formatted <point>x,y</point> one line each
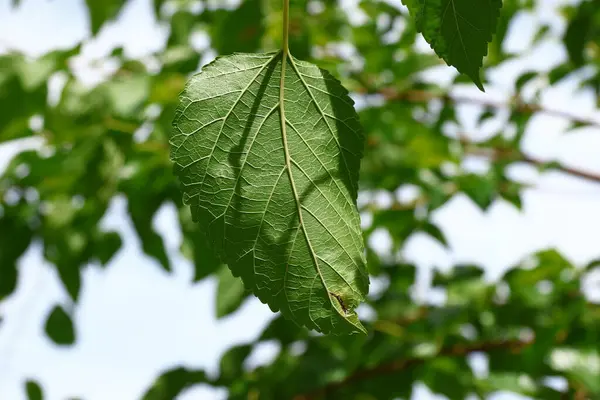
<point>516,156</point>
<point>423,96</point>
<point>563,168</point>
<point>395,366</point>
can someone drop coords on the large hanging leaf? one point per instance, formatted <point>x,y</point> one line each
<point>458,30</point>
<point>268,158</point>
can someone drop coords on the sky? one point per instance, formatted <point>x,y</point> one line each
<point>134,320</point>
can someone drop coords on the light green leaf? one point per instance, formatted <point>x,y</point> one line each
<point>269,165</point>
<point>230,293</point>
<point>458,30</point>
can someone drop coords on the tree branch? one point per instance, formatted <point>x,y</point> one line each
<point>563,168</point>
<point>395,366</point>
<point>423,96</point>
<point>518,156</point>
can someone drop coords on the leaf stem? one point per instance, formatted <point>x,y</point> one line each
<point>286,27</point>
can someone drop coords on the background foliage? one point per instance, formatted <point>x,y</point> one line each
<point>110,139</point>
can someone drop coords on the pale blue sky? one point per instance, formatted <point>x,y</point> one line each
<point>134,320</point>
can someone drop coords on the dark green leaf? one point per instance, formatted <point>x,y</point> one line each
<point>435,232</point>
<point>232,364</point>
<point>481,189</point>
<point>102,11</point>
<point>458,30</point>
<point>59,327</point>
<point>33,390</point>
<point>239,30</point>
<point>578,32</point>
<point>171,383</point>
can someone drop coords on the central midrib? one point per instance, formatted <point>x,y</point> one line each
<point>288,162</point>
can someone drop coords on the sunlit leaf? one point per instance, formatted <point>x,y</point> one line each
<point>269,166</point>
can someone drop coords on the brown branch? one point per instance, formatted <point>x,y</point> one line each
<point>518,156</point>
<point>396,366</point>
<point>565,169</point>
<point>423,96</point>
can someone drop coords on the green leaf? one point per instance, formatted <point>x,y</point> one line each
<point>171,383</point>
<point>458,30</point>
<point>230,293</point>
<point>157,7</point>
<point>277,201</point>
<point>59,327</point>
<point>102,11</point>
<point>239,30</point>
<point>15,238</point>
<point>232,364</point>
<point>435,232</point>
<point>480,188</point>
<point>34,391</point>
<point>142,212</point>
<point>106,246</point>
<point>578,32</point>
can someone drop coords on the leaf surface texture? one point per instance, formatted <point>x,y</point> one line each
<point>271,176</point>
<point>458,30</point>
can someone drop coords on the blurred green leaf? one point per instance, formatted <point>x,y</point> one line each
<point>231,367</point>
<point>102,11</point>
<point>480,188</point>
<point>239,30</point>
<point>33,390</point>
<point>59,327</point>
<point>579,31</point>
<point>171,383</point>
<point>230,292</point>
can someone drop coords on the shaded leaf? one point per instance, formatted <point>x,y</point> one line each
<point>435,232</point>
<point>230,292</point>
<point>578,32</point>
<point>458,30</point>
<point>15,238</point>
<point>107,246</point>
<point>59,327</point>
<point>481,189</point>
<point>232,364</point>
<point>239,30</point>
<point>171,383</point>
<point>33,390</point>
<point>141,213</point>
<point>277,201</point>
<point>102,11</point>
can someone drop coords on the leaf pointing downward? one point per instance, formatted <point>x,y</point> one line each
<point>271,175</point>
<point>458,30</point>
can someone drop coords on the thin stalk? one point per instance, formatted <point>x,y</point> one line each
<point>286,27</point>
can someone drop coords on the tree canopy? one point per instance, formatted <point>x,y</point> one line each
<point>373,95</point>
